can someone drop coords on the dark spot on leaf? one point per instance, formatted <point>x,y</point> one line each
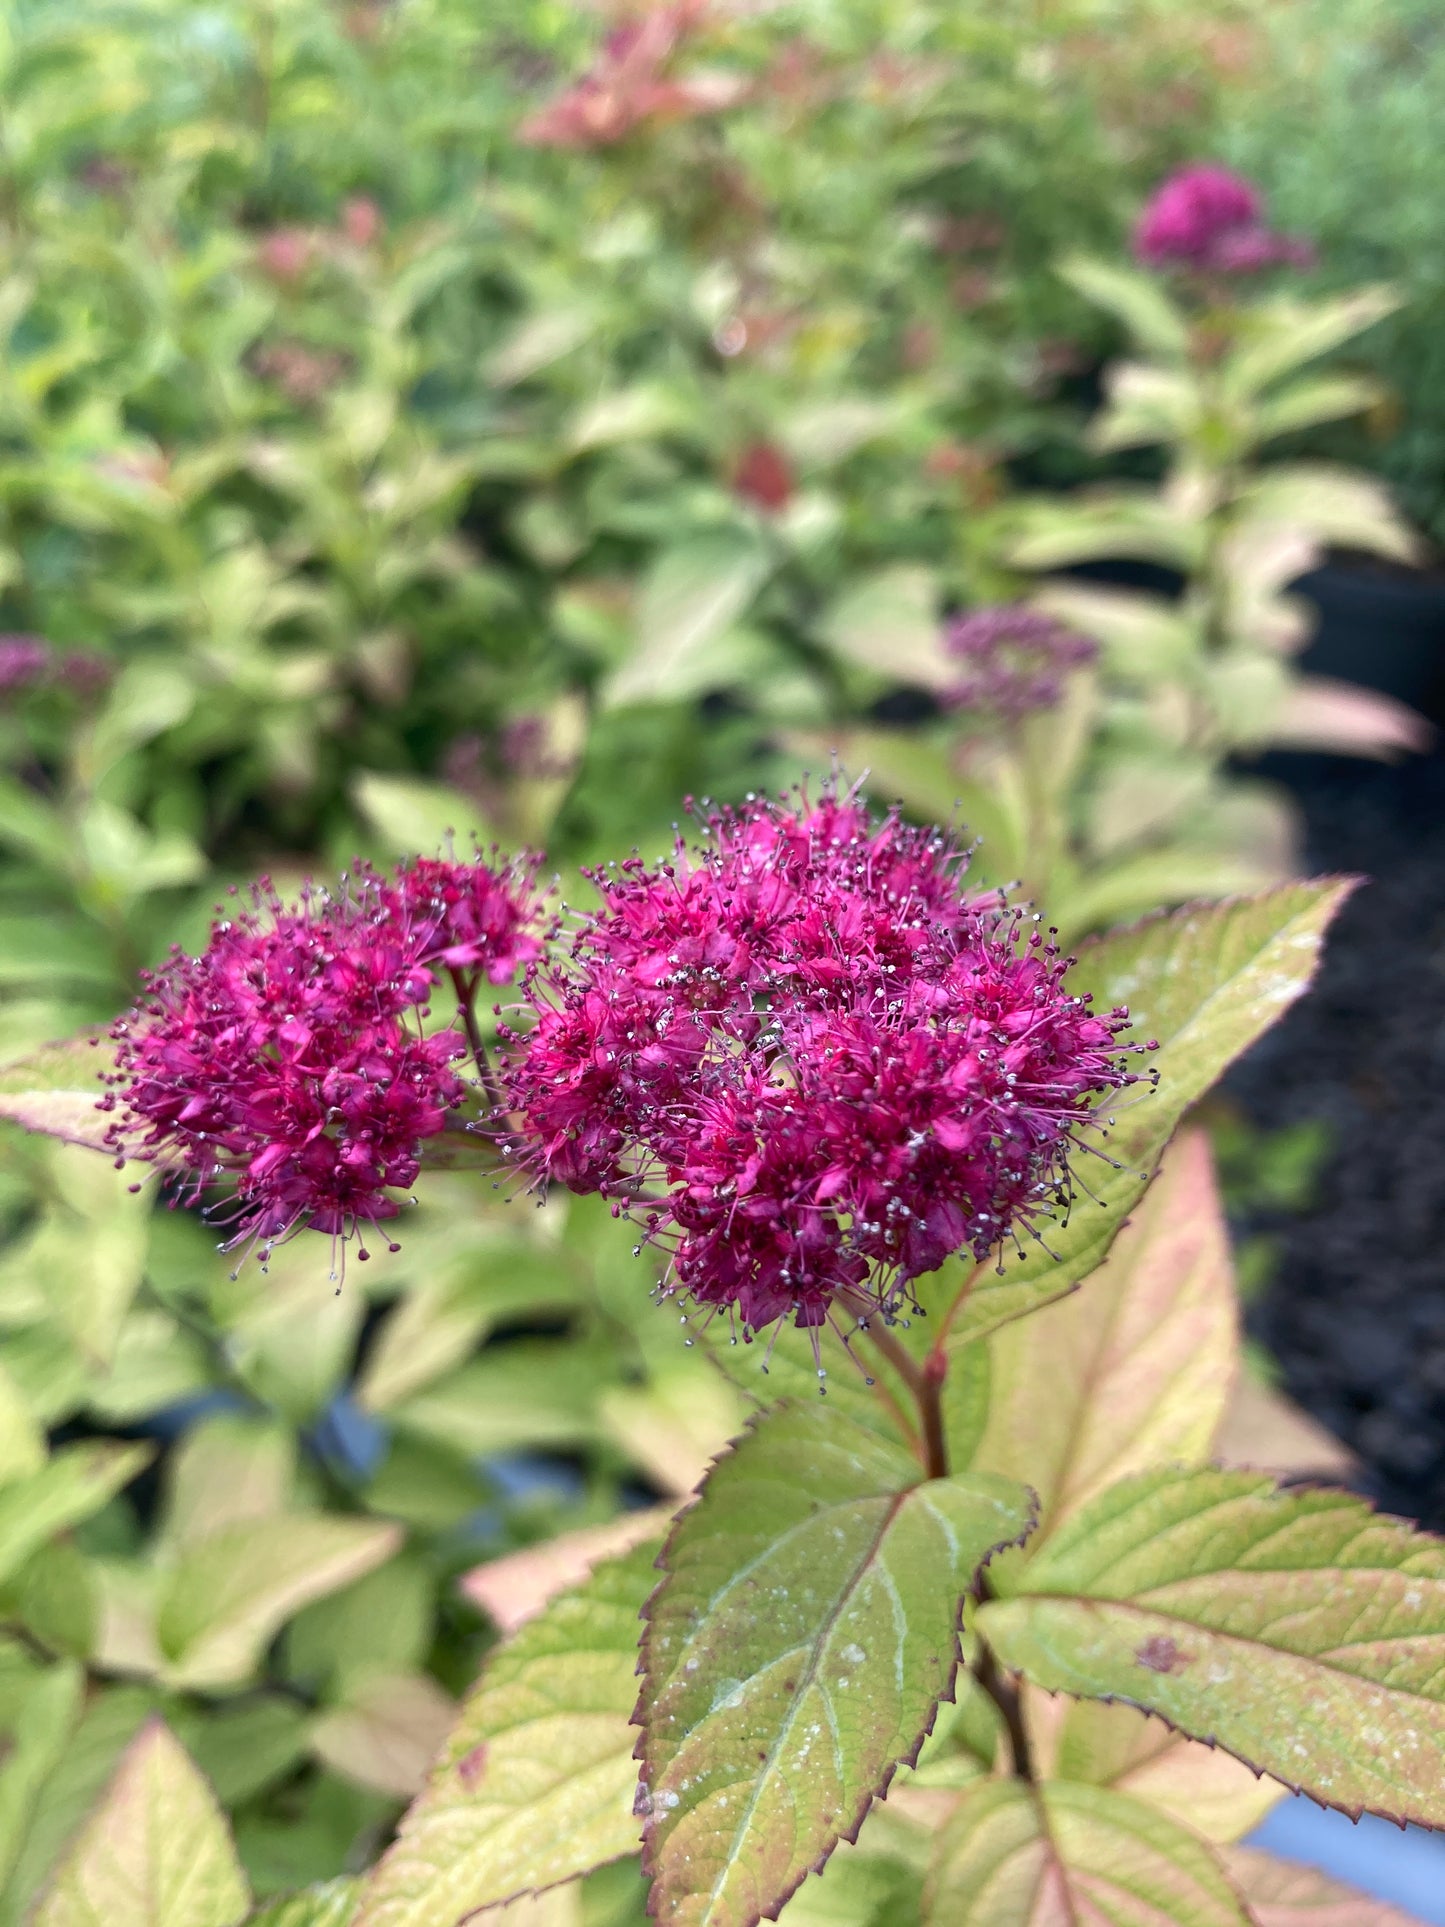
<point>642,1801</point>
<point>472,1765</point>
<point>790,1686</point>
<point>1161,1655</point>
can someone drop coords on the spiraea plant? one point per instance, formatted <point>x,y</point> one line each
<point>992,1631</point>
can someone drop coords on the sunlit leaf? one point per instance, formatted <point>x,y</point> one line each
<point>230,1592</point>
<point>1135,298</point>
<point>796,1652</point>
<point>385,1731</point>
<point>890,623</point>
<point>1018,1856</point>
<point>538,1780</point>
<point>515,1588</point>
<point>691,597</point>
<point>1298,1630</point>
<point>38,1738</point>
<point>156,1853</point>
<point>56,1091</point>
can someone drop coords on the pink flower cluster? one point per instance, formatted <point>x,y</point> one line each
<point>289,1059</point>
<point>808,1060</point>
<point>1014,659</point>
<point>29,662</point>
<point>629,86</point>
<point>1205,217</point>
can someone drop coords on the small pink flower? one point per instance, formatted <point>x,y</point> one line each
<point>1206,217</point>
<point>470,916</point>
<point>361,221</point>
<point>808,1059</point>
<point>1014,660</point>
<point>285,254</point>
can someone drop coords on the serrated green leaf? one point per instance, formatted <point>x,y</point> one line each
<point>537,1783</point>
<point>1015,1856</point>
<point>803,1635</point>
<point>76,1482</point>
<point>231,1592</point>
<point>1297,1630</point>
<point>156,1853</point>
<point>1205,981</point>
<point>1135,1369</point>
<point>333,1904</point>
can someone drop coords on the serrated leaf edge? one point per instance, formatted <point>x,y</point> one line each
<point>849,1834</point>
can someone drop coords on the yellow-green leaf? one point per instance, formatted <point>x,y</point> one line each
<point>231,1592</point>
<point>796,1653</point>
<point>1057,1854</point>
<point>76,1482</point>
<point>155,1853</point>
<point>537,1782</point>
<point>1297,1630</point>
<point>56,1090</point>
<point>1205,981</point>
<point>1135,1369</point>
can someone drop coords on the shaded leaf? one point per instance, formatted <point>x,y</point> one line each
<point>156,1853</point>
<point>1267,1432</point>
<point>1059,1854</point>
<point>22,1441</point>
<point>1298,1630</point>
<point>385,1732</point>
<point>1201,1787</point>
<point>796,1652</point>
<point>332,1904</point>
<point>76,1482</point>
<point>537,1783</point>
<point>231,1592</point>
<point>36,1741</point>
<point>1204,981</point>
<point>1281,1894</point>
<point>1135,1369</point>
<point>226,1471</point>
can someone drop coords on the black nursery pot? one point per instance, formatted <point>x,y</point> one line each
<point>1381,627</point>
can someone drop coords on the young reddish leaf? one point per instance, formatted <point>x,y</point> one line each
<point>1205,981</point>
<point>385,1731</point>
<point>1117,1746</point>
<point>1280,1894</point>
<point>156,1852</point>
<point>515,1588</point>
<point>796,1653</point>
<point>1058,1855</point>
<point>55,1091</point>
<point>1134,1370</point>
<point>1264,1431</point>
<point>1297,1630</point>
<point>538,1781</point>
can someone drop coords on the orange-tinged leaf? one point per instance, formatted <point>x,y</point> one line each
<point>1061,1855</point>
<point>1268,1432</point>
<point>1134,1370</point>
<point>514,1589</point>
<point>1297,1630</point>
<point>1117,1746</point>
<point>1281,1894</point>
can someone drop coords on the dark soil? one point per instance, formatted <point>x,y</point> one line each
<point>1355,1311</point>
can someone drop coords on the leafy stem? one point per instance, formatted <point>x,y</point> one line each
<point>1005,1696</point>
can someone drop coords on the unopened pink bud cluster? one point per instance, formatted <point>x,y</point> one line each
<point>290,1059</point>
<point>807,1060</point>
<point>1207,218</point>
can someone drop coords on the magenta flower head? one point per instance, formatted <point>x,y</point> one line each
<point>1207,218</point>
<point>807,1061</point>
<point>1014,660</point>
<point>289,1060</point>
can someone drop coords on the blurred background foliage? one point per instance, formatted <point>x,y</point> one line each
<point>425,416</point>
